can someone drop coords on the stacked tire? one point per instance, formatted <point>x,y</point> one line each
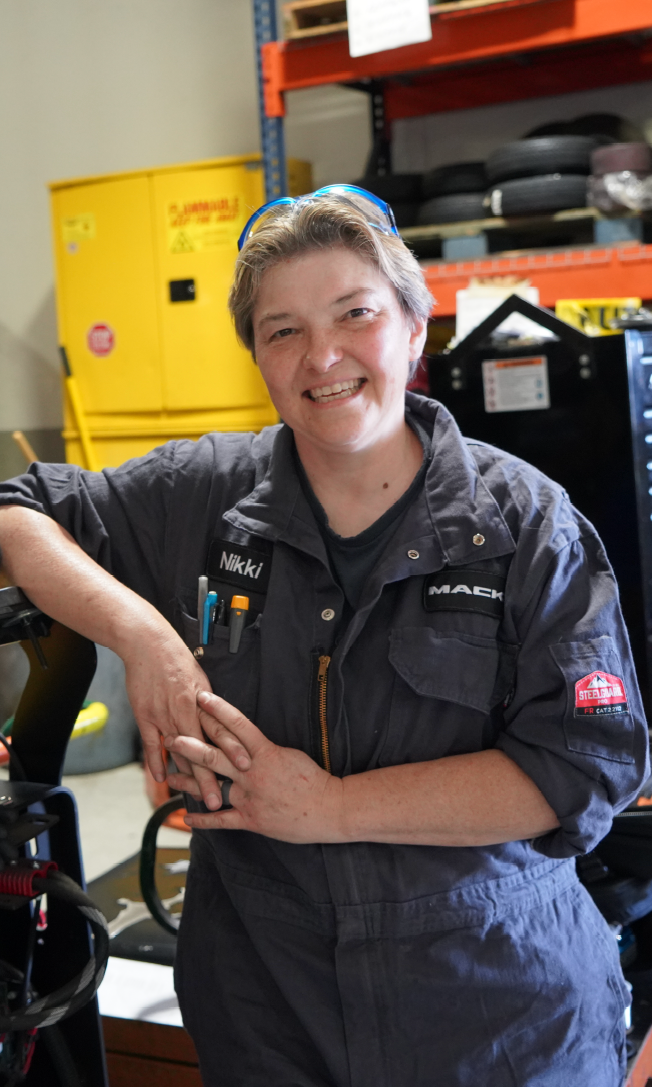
<point>544,174</point>
<point>401,191</point>
<point>453,194</point>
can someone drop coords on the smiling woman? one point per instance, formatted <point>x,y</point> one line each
<point>390,896</point>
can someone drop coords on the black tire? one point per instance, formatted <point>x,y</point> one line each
<point>402,188</point>
<point>551,128</point>
<point>527,195</point>
<point>453,209</point>
<point>606,127</point>
<point>622,156</point>
<point>543,155</point>
<point>405,214</point>
<point>459,177</point>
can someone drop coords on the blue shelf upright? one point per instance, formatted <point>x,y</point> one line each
<point>271,128</point>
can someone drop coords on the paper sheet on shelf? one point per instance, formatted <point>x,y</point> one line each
<point>376,25</point>
<point>139,990</point>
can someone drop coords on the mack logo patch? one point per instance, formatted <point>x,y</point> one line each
<point>598,694</point>
<point>246,567</point>
<point>463,589</point>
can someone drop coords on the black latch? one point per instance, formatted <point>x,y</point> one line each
<point>182,290</point>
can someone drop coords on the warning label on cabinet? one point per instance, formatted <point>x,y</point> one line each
<point>78,228</point>
<point>516,384</point>
<point>196,225</point>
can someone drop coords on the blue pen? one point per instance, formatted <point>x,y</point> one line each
<point>209,604</point>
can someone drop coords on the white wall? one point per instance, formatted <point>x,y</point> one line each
<point>93,86</point>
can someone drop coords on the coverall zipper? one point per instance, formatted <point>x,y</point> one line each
<point>322,682</point>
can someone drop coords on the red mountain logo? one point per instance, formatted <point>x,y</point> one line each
<point>600,693</point>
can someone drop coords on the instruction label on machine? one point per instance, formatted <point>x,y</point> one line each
<point>516,384</point>
<point>196,225</point>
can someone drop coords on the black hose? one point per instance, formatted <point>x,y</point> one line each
<point>151,897</point>
<point>65,1001</point>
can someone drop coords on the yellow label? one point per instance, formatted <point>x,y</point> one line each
<point>196,225</point>
<point>78,228</point>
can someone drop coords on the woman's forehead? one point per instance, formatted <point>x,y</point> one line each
<point>324,273</point>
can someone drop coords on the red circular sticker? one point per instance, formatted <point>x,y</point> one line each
<point>101,340</point>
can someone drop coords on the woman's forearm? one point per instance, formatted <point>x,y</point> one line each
<point>44,560</point>
<point>465,800</point>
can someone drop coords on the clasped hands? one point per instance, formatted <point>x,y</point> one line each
<point>279,792</point>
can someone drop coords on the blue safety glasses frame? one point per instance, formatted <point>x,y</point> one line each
<point>376,211</point>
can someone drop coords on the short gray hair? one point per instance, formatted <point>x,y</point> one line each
<point>324,224</point>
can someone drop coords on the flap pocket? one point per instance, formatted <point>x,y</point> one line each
<point>233,676</point>
<point>463,668</point>
<point>597,720</point>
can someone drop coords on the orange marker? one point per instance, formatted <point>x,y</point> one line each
<point>237,616</point>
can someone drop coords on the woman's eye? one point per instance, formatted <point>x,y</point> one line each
<point>360,311</point>
<point>282,333</point>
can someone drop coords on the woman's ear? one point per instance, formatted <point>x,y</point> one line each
<point>418,338</point>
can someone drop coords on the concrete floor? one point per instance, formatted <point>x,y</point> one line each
<point>113,811</point>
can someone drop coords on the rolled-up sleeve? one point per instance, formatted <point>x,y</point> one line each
<point>575,723</point>
<point>117,516</point>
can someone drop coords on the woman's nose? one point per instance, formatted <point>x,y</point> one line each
<point>322,353</point>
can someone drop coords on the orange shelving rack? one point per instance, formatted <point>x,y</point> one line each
<point>498,52</point>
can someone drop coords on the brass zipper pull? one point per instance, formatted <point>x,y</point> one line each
<point>322,679</point>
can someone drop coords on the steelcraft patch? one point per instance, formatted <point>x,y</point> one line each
<point>464,589</point>
<point>598,694</point>
<point>247,567</point>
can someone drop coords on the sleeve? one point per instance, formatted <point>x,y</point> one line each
<point>576,724</point>
<point>117,516</point>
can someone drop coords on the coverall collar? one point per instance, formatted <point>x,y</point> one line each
<point>455,507</point>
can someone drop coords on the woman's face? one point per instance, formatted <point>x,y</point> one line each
<point>334,347</point>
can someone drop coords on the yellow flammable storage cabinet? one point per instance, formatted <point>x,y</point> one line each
<point>144,261</point>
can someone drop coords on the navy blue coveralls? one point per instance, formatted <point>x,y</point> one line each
<point>377,965</point>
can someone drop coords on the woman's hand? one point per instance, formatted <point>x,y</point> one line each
<point>277,791</point>
<point>163,682</point>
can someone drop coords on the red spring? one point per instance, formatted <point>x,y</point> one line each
<point>28,1050</point>
<point>18,879</point>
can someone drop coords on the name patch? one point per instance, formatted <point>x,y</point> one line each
<point>464,589</point>
<point>247,567</point>
<point>598,694</point>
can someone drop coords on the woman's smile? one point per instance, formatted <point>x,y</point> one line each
<point>340,390</point>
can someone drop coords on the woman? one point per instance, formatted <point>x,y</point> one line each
<point>413,719</point>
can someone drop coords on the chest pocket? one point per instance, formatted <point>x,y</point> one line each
<point>456,669</point>
<point>233,676</point>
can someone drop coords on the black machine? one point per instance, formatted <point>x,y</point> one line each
<point>590,430</point>
<point>50,967</point>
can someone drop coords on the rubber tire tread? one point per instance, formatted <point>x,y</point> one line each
<point>553,192</point>
<point>457,208</point>
<point>542,155</point>
<point>459,177</point>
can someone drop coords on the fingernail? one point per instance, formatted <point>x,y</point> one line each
<point>203,696</point>
<point>159,776</point>
<point>213,801</point>
<point>168,741</point>
<point>187,820</point>
<point>242,762</point>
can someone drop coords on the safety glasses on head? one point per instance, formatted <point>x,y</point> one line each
<point>377,213</point>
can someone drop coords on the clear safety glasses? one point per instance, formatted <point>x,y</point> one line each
<point>376,211</point>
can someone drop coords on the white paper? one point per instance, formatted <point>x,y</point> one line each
<point>516,384</point>
<point>139,990</point>
<point>475,304</point>
<point>376,25</point>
